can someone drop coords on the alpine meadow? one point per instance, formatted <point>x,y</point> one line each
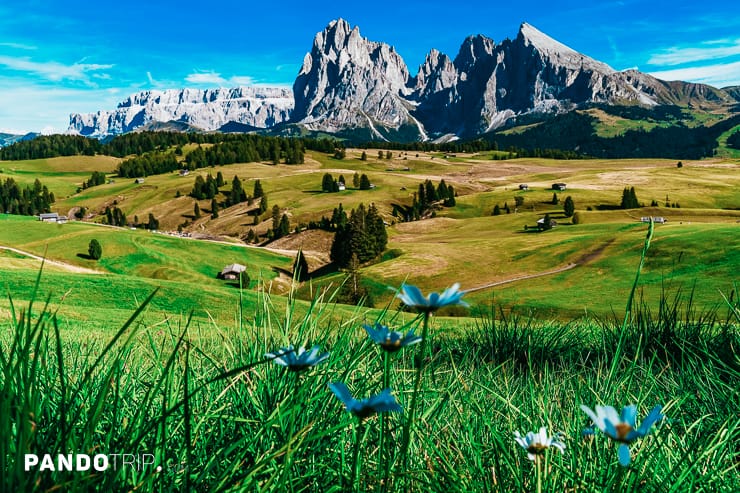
<point>516,270</point>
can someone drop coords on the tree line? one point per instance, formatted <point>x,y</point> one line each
<point>138,143</point>
<point>25,201</point>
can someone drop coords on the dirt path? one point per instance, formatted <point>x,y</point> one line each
<point>63,265</point>
<point>588,257</point>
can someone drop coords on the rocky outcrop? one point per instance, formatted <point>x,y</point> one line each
<point>347,81</point>
<point>202,109</point>
<point>349,84</point>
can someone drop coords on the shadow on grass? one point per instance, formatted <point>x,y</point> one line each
<point>85,256</point>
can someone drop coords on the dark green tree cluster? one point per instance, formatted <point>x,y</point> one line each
<point>152,223</point>
<point>365,182</point>
<point>115,216</point>
<point>48,146</point>
<point>498,210</point>
<point>27,201</point>
<point>248,149</point>
<point>329,184</point>
<point>148,164</point>
<point>629,199</point>
<point>426,198</point>
<point>237,194</point>
<point>97,178</point>
<point>340,153</point>
<point>141,142</point>
<point>363,235</point>
<point>734,140</point>
<point>204,188</point>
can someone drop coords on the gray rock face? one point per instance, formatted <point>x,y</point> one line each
<point>347,81</point>
<point>204,109</point>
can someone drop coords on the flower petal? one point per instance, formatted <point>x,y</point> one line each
<point>628,415</point>
<point>624,455</point>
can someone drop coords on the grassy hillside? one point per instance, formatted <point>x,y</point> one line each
<point>463,244</point>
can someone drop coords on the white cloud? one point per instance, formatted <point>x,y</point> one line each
<point>712,50</point>
<point>19,46</point>
<point>205,78</point>
<point>718,75</point>
<point>215,79</point>
<point>53,71</point>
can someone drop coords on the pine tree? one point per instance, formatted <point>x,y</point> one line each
<point>284,226</point>
<point>257,192</point>
<point>220,179</point>
<point>496,210</point>
<point>263,204</point>
<point>275,217</point>
<point>356,180</point>
<point>569,207</point>
<point>555,200</point>
<point>300,267</point>
<point>196,210</point>
<point>214,209</point>
<point>363,157</point>
<point>364,182</point>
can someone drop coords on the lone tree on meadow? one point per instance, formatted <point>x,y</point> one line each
<point>569,208</point>
<point>94,250</point>
<point>300,267</point>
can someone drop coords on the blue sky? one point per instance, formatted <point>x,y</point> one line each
<point>59,57</point>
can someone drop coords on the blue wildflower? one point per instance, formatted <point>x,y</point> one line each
<point>622,428</point>
<point>536,443</point>
<point>364,408</point>
<point>411,296</point>
<point>390,340</point>
<point>297,360</point>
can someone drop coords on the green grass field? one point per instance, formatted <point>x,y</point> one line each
<point>105,370</point>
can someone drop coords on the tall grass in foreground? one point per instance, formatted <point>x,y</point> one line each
<point>218,415</point>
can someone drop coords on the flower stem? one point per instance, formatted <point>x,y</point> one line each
<point>359,432</point>
<point>407,429</point>
<point>538,462</point>
<point>384,460</point>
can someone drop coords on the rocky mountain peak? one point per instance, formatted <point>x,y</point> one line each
<point>347,80</point>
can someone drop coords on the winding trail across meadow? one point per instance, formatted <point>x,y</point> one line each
<point>69,267</point>
<point>584,259</point>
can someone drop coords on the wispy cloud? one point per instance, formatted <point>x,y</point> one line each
<point>19,46</point>
<point>711,50</point>
<point>54,71</point>
<point>215,78</point>
<point>718,75</point>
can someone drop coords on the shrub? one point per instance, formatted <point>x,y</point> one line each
<point>94,249</point>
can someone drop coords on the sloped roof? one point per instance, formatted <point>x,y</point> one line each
<point>233,268</point>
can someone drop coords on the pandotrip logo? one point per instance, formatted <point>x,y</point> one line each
<point>86,463</point>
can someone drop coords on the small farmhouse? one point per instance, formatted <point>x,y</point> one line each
<point>524,187</point>
<point>184,172</point>
<point>139,180</point>
<point>558,186</point>
<point>232,272</point>
<point>52,217</point>
<point>658,219</point>
<point>542,225</point>
<point>341,186</point>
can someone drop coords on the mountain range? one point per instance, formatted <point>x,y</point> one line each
<point>349,85</point>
